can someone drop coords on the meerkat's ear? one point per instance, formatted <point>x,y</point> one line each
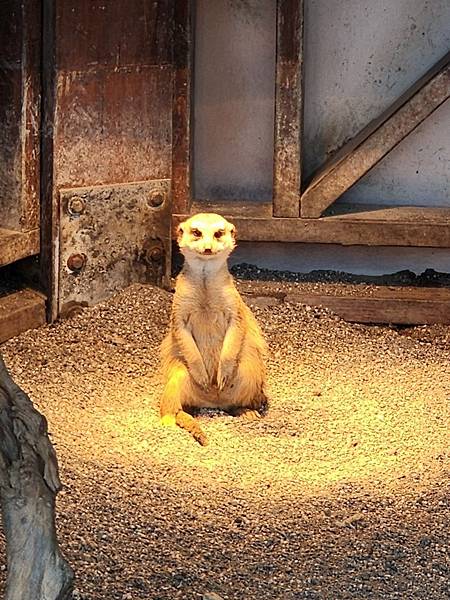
<point>233,231</point>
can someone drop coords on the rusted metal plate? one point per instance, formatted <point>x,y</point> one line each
<point>118,33</point>
<point>107,104</point>
<point>113,125</point>
<point>19,114</point>
<point>374,142</point>
<point>111,237</point>
<point>31,116</point>
<point>288,109</point>
<point>181,120</point>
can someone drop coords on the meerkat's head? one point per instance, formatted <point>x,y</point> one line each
<point>207,237</point>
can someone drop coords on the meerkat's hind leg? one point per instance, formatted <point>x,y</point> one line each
<point>171,407</point>
<point>171,399</point>
<point>256,409</point>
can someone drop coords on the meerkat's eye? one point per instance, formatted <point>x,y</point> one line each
<point>196,233</point>
<point>218,234</point>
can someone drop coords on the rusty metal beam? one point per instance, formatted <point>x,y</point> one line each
<point>288,108</point>
<point>373,226</point>
<point>15,245</point>
<point>375,141</point>
<point>107,105</point>
<point>181,117</point>
<point>19,311</point>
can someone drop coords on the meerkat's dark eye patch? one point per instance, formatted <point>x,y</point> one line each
<point>196,233</point>
<point>219,233</point>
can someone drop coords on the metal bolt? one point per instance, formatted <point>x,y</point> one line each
<point>76,262</point>
<point>156,199</point>
<point>76,205</point>
<point>155,254</point>
<point>74,311</point>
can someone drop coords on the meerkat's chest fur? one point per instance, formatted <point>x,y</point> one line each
<point>206,305</point>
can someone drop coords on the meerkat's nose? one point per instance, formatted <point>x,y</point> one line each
<point>207,251</point>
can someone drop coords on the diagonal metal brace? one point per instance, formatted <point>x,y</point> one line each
<point>376,140</point>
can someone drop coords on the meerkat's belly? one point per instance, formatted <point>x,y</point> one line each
<point>208,329</point>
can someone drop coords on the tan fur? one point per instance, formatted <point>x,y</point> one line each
<point>214,353</point>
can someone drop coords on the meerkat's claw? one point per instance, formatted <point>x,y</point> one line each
<point>168,421</point>
<point>224,374</point>
<point>200,377</point>
<point>247,414</point>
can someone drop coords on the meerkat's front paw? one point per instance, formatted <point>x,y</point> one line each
<point>225,373</point>
<point>200,376</point>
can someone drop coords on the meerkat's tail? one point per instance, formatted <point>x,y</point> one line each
<point>187,422</point>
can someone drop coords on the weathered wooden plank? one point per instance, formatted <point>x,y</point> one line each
<point>181,119</point>
<point>396,305</point>
<point>20,311</point>
<point>399,226</point>
<point>375,141</point>
<point>15,245</point>
<point>288,109</point>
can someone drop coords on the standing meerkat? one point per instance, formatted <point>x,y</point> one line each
<point>214,353</point>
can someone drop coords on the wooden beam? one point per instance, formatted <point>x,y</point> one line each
<point>15,245</point>
<point>396,305</point>
<point>181,118</point>
<point>20,311</point>
<point>288,108</point>
<point>375,141</point>
<point>372,226</point>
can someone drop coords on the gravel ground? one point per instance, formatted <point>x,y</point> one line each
<point>341,491</point>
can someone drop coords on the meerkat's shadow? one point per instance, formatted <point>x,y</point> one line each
<point>238,412</point>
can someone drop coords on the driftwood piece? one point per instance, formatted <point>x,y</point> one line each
<point>29,482</point>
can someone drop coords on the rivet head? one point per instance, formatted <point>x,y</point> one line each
<point>74,311</point>
<point>155,254</point>
<point>76,205</point>
<point>156,199</point>
<point>76,262</point>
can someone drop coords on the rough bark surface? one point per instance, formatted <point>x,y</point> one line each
<point>29,482</point>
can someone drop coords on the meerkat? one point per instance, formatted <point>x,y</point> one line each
<point>214,353</point>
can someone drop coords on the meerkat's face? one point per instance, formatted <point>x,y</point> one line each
<point>206,236</point>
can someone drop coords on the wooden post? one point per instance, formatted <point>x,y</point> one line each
<point>29,482</point>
